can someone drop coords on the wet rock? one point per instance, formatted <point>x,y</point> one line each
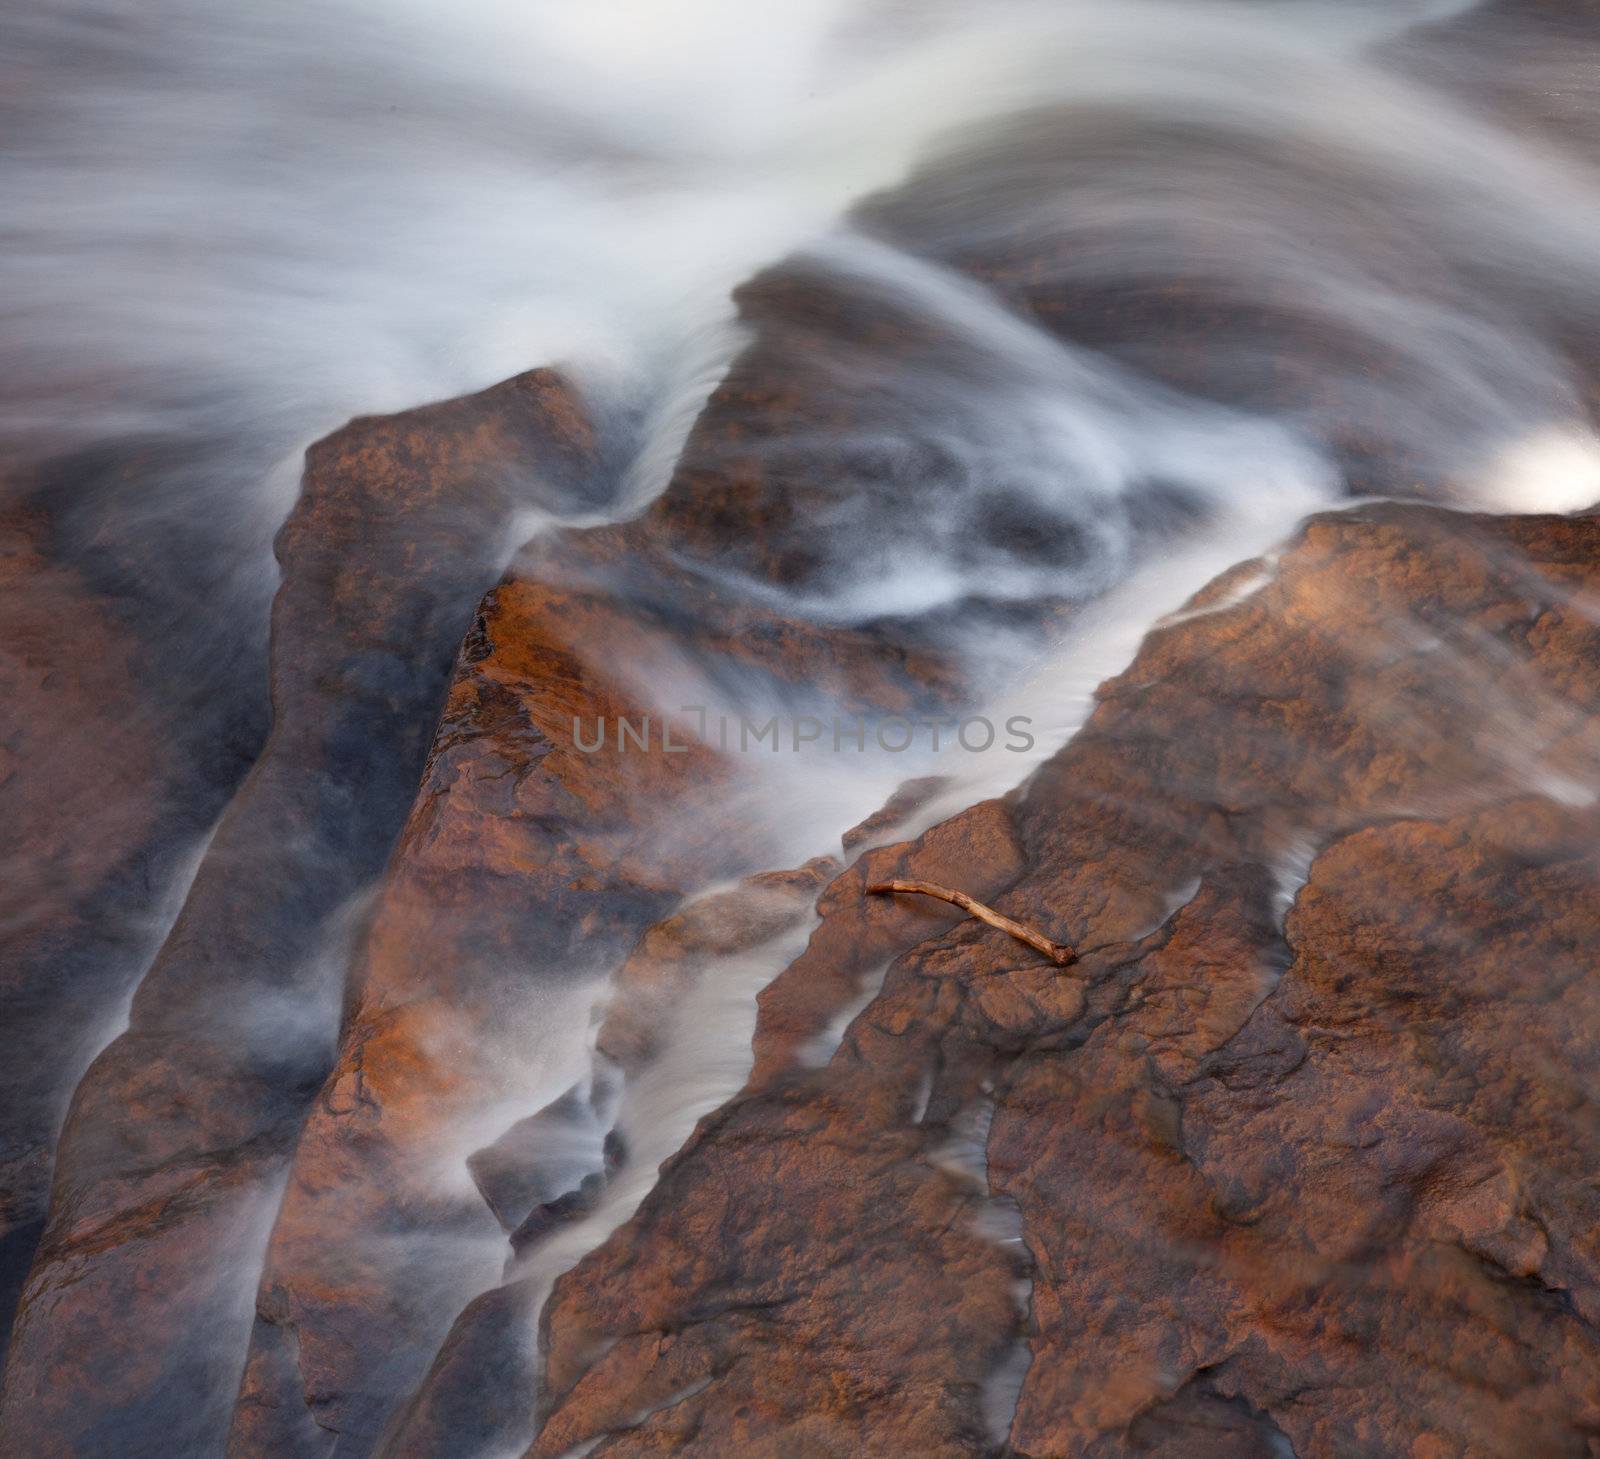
<point>533,860</point>
<point>173,1155</point>
<point>69,693</point>
<point>701,943</point>
<point>895,812</point>
<point>1313,1184</point>
<point>859,934</point>
<point>672,955</point>
<point>521,1172</point>
<point>117,750</point>
<point>543,1219</point>
<point>526,871</point>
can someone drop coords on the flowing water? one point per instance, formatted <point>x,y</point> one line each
<point>1180,275</point>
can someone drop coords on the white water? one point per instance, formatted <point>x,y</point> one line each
<point>233,228</point>
<point>251,223</point>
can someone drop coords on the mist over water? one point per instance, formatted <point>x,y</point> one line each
<point>1166,278</point>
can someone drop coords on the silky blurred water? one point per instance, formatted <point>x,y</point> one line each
<point>225,231</point>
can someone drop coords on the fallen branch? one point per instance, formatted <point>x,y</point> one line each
<point>1055,951</point>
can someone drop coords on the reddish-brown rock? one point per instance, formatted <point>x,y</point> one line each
<point>135,1314</point>
<point>1318,1184</point>
<point>529,866</point>
<point>525,865</point>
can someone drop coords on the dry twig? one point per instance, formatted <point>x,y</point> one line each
<point>1055,951</point>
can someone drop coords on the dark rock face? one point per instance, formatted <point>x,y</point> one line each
<point>1235,1182</point>
<point>174,1151</point>
<point>71,702</point>
<point>121,737</point>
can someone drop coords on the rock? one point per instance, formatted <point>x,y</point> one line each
<point>704,941</point>
<point>655,977</point>
<point>523,1172</point>
<point>544,1219</point>
<point>120,740</point>
<point>859,935</point>
<point>526,871</point>
<point>175,1150</point>
<point>1263,1183</point>
<point>667,960</point>
<point>81,765</point>
<point>521,839</point>
<point>896,811</point>
<point>531,864</point>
